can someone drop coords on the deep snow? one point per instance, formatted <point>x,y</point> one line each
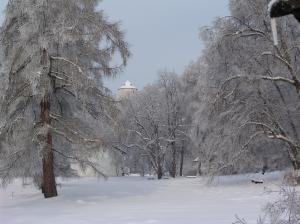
<point>136,200</point>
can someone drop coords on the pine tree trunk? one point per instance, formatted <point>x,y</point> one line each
<point>48,185</point>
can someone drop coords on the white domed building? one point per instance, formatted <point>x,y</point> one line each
<point>126,90</point>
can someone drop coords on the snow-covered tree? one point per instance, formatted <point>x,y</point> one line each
<point>250,91</point>
<point>54,54</point>
<point>173,104</point>
<point>152,127</point>
<point>144,126</point>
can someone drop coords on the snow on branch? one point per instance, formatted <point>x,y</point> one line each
<point>70,62</point>
<point>72,131</point>
<point>273,134</point>
<point>269,78</point>
<point>82,162</point>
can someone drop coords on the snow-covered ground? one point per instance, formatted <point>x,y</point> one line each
<point>136,200</point>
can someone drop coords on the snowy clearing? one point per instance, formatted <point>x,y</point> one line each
<point>133,200</point>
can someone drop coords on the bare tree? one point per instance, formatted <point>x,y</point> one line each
<point>153,127</point>
<point>173,103</point>
<point>146,128</point>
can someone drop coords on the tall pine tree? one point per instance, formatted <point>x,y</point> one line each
<point>54,54</point>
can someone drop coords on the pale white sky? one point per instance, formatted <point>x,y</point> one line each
<point>163,34</point>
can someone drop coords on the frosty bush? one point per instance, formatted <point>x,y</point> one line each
<point>285,210</point>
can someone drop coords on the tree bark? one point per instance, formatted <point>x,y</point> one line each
<point>294,156</point>
<point>199,172</point>
<point>48,185</point>
<point>296,164</point>
<point>159,168</point>
<point>181,159</point>
<point>159,172</point>
<point>174,155</point>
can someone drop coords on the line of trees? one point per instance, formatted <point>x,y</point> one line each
<point>237,106</point>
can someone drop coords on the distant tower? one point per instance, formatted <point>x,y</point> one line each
<point>126,90</point>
